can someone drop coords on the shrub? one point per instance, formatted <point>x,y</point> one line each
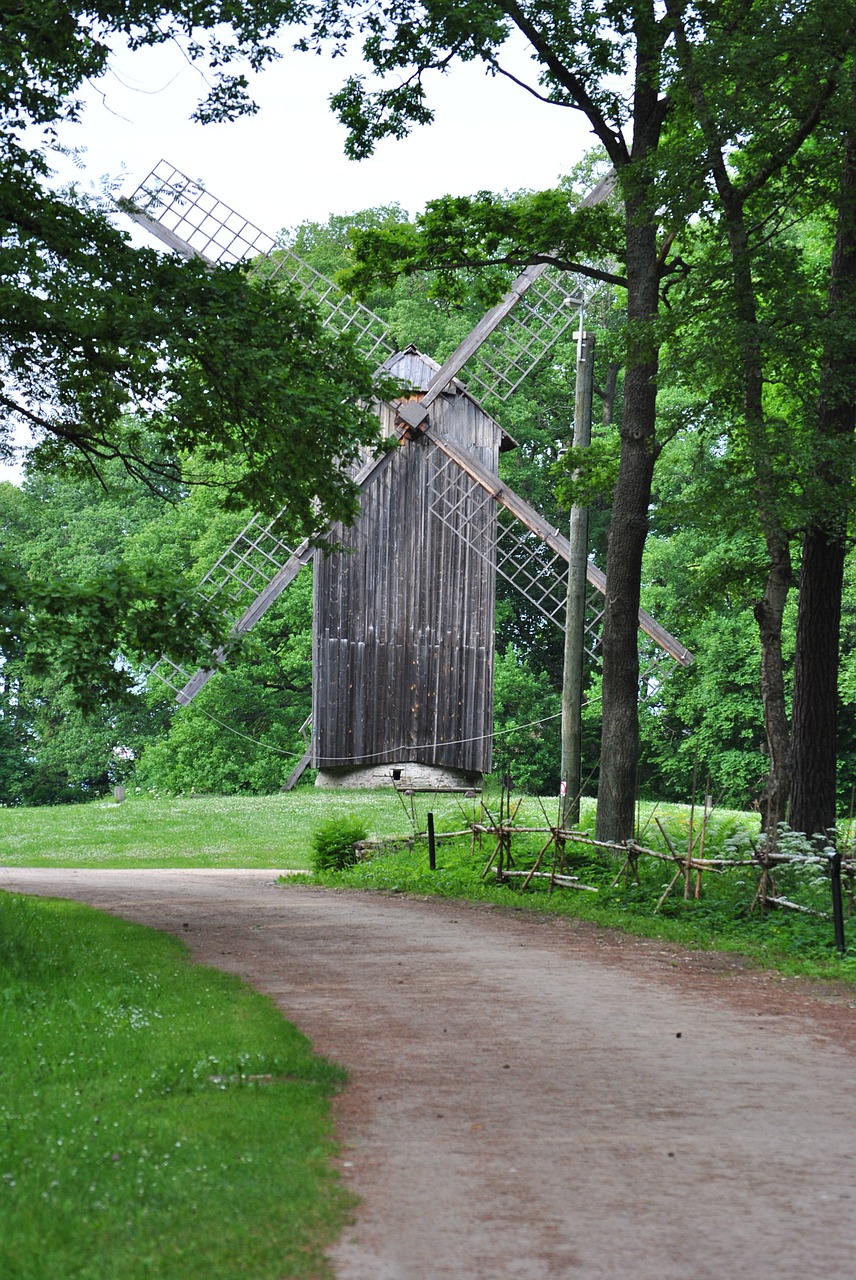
<point>333,843</point>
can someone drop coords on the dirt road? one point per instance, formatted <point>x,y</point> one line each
<point>533,1099</point>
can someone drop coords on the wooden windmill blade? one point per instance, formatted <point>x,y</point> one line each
<point>532,574</point>
<point>186,217</point>
<point>252,573</point>
<point>513,336</point>
<point>540,316</point>
<point>258,565</point>
<point>496,356</point>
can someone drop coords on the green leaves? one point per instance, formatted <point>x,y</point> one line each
<point>245,373</point>
<point>76,629</point>
<point>486,238</point>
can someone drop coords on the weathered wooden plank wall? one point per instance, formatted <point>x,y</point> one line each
<point>404,621</point>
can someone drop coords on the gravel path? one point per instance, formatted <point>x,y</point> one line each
<point>532,1098</point>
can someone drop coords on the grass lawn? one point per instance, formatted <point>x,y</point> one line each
<point>276,832</point>
<point>210,831</point>
<point>158,1120</point>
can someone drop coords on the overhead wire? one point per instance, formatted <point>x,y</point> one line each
<point>344,760</point>
<point>408,746</point>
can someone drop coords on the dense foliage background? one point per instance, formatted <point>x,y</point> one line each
<point>169,400</point>
<point>703,568</point>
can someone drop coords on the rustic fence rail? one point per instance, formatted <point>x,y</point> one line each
<point>503,833</point>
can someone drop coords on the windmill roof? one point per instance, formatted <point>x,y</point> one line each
<point>417,369</point>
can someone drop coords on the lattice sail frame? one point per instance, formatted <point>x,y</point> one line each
<point>528,332</point>
<point>371,335</point>
<point>252,561</point>
<point>211,229</point>
<point>244,569</point>
<point>539,309</point>
<point>534,570</point>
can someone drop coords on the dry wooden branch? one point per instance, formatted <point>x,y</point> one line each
<point>669,887</point>
<point>671,847</point>
<point>796,906</point>
<point>569,881</point>
<point>537,862</point>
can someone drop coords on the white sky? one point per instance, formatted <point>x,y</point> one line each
<point>286,164</point>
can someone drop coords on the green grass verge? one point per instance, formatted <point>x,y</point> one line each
<point>720,919</point>
<point>277,832</point>
<point>135,1142</point>
<point>181,831</point>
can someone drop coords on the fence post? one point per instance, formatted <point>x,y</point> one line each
<point>432,857</point>
<point>575,624</point>
<point>837,906</point>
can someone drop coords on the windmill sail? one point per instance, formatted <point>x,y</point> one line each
<point>186,217</point>
<point>519,562</point>
<point>494,359</point>
<point>487,335</point>
<point>252,572</point>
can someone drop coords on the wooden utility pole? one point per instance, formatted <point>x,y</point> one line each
<point>572,681</point>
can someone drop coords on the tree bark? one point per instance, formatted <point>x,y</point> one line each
<point>628,527</point>
<point>627,532</point>
<point>815,711</point>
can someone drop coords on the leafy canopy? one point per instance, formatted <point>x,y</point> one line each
<point>182,373</point>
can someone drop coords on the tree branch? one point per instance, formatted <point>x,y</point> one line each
<point>613,141</point>
<point>730,192</point>
<point>522,260</point>
<point>147,471</point>
<point>806,127</point>
<point>540,97</point>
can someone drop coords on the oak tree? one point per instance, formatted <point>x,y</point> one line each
<point>110,352</point>
<point>700,108</point>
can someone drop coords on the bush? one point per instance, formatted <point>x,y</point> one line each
<point>333,843</point>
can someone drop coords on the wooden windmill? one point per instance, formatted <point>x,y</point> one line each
<point>404,624</point>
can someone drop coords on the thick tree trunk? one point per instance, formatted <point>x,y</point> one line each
<point>628,528</point>
<point>627,532</point>
<point>815,712</point>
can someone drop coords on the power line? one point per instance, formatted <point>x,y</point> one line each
<point>342,760</point>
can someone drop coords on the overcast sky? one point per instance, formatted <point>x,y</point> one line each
<point>286,164</point>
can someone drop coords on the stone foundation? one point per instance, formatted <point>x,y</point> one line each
<point>405,776</point>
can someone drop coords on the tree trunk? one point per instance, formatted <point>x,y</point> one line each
<point>627,532</point>
<point>815,713</point>
<point>628,527</point>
